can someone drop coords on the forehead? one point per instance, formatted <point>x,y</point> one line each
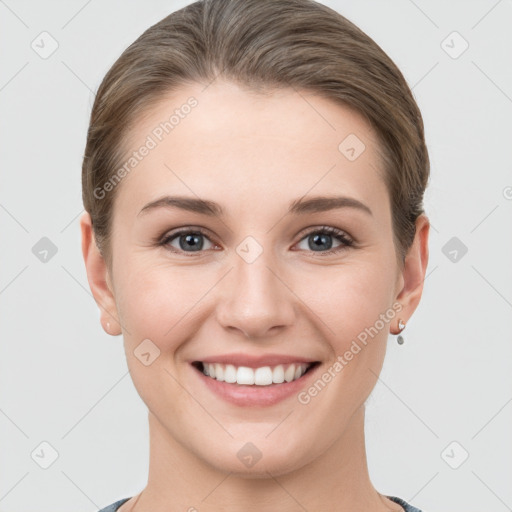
<point>230,144</point>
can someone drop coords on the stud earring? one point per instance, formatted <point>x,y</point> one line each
<point>401,327</point>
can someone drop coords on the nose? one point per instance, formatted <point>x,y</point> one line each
<point>255,299</point>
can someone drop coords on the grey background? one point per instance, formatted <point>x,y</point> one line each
<point>65,382</point>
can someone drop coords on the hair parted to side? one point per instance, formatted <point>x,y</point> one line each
<point>260,45</point>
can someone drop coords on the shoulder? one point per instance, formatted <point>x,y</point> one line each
<point>114,506</point>
<point>405,505</point>
<point>407,508</point>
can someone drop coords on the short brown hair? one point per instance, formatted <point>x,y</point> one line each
<point>260,44</point>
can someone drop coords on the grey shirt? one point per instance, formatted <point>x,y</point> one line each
<point>406,506</point>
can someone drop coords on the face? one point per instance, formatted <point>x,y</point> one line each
<point>276,276</point>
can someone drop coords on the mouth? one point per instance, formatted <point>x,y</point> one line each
<point>280,374</point>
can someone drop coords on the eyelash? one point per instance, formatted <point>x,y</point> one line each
<point>340,235</point>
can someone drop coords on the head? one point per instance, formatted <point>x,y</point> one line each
<point>256,108</point>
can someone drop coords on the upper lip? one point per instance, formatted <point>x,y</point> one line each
<point>255,361</point>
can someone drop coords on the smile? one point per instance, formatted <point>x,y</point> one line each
<point>262,376</point>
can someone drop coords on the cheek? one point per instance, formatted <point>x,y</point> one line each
<point>160,301</point>
<point>348,299</point>
<point>352,304</point>
<point>155,303</point>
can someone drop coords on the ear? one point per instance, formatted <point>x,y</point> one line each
<point>99,278</point>
<point>412,275</point>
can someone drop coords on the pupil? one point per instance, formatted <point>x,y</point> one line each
<point>192,242</point>
<point>320,239</point>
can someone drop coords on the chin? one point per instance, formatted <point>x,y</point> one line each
<point>256,460</point>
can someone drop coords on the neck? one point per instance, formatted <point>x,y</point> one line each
<point>337,480</point>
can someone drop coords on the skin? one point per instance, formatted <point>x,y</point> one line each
<point>254,154</point>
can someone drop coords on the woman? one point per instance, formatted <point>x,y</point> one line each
<point>227,146</point>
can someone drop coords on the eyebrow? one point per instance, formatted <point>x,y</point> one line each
<point>298,207</point>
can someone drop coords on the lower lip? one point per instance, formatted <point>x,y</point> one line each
<point>246,395</point>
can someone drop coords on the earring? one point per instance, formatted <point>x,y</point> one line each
<point>401,327</point>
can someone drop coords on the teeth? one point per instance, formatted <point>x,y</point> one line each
<point>263,376</point>
<point>230,374</point>
<point>278,374</point>
<point>289,373</point>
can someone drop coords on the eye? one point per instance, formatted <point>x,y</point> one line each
<point>191,240</point>
<point>321,239</point>
<point>187,240</point>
